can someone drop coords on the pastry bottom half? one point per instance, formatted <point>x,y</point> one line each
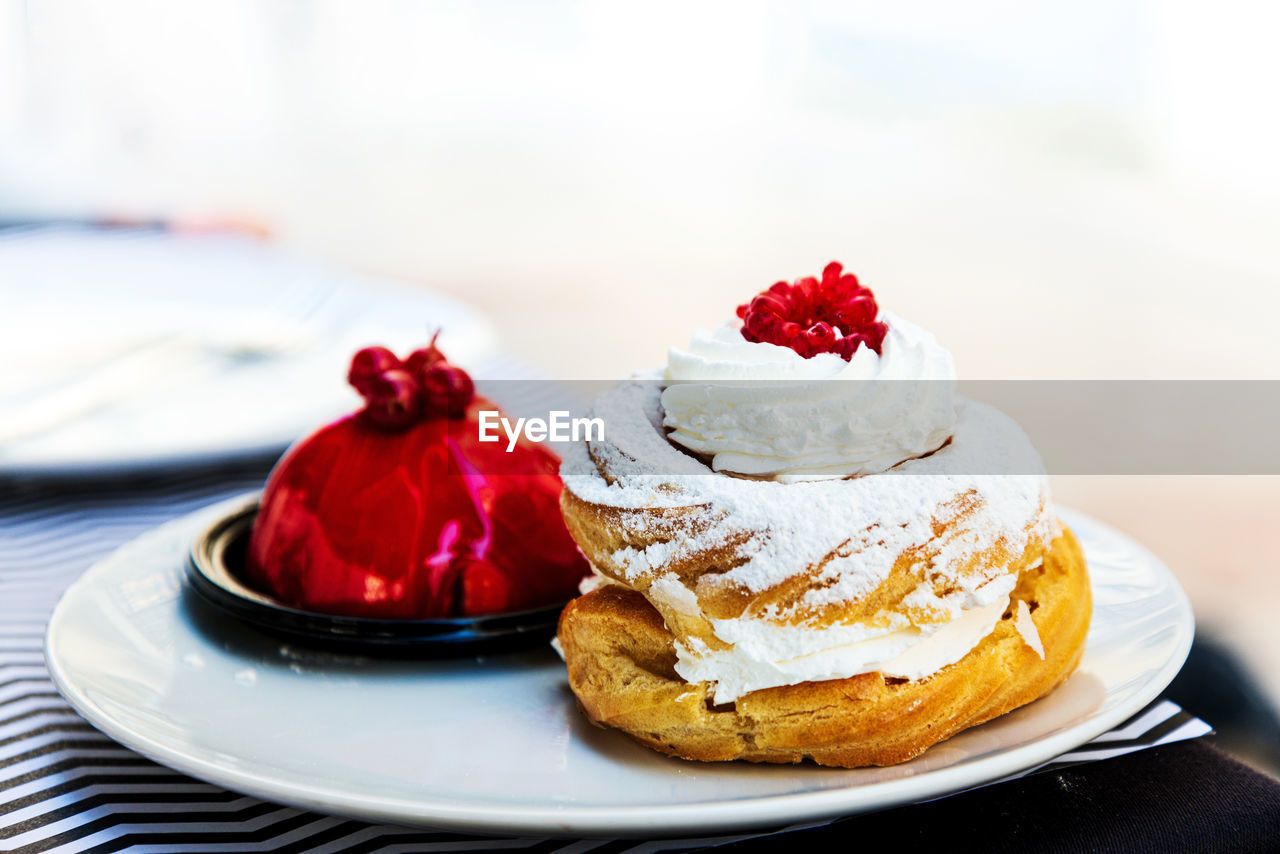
<point>621,658</point>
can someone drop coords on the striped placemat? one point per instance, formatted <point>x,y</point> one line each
<point>66,787</point>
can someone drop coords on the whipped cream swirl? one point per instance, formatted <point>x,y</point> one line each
<point>761,410</point>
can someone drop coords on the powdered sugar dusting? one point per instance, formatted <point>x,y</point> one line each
<point>985,491</point>
<point>863,524</point>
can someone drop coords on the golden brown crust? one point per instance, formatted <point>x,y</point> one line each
<point>621,660</point>
<point>604,532</point>
<point>870,550</point>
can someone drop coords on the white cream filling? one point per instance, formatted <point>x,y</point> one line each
<point>906,653</point>
<point>767,655</point>
<point>1027,628</point>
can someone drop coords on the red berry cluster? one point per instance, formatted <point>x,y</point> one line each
<point>807,315</point>
<point>398,393</point>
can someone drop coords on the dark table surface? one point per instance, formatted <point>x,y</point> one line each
<point>1185,797</point>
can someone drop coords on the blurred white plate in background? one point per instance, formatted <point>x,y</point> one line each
<point>139,349</point>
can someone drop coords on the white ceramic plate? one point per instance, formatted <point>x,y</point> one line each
<point>497,744</point>
<point>153,350</point>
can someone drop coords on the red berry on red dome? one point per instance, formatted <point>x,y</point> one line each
<point>423,357</point>
<point>413,524</point>
<point>393,400</point>
<point>807,315</point>
<point>446,389</point>
<point>369,364</point>
<point>399,394</point>
<point>402,513</point>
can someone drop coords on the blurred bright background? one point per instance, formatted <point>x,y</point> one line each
<point>1051,187</point>
<point>1058,190</point>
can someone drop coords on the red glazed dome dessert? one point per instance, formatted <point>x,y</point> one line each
<point>399,512</point>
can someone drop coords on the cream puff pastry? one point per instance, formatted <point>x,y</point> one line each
<point>813,550</point>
